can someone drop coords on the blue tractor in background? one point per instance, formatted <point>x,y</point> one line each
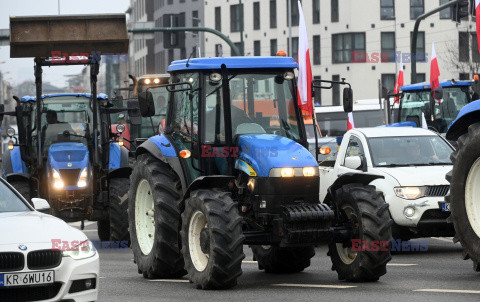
<point>231,168</point>
<point>66,152</point>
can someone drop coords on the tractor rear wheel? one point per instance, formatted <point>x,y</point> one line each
<point>464,195</point>
<point>154,218</point>
<point>23,187</point>
<point>367,212</point>
<point>118,215</point>
<point>212,239</point>
<point>277,260</point>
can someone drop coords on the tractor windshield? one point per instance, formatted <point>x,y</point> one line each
<point>260,103</point>
<point>65,119</point>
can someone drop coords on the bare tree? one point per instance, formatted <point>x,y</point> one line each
<point>472,66</point>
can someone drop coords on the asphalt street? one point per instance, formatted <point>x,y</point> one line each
<point>438,274</point>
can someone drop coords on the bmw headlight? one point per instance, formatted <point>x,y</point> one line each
<point>410,192</point>
<point>81,251</point>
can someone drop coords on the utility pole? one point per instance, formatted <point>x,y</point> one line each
<point>241,28</point>
<point>59,7</point>
<point>289,18</point>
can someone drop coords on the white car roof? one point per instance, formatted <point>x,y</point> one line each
<point>393,131</point>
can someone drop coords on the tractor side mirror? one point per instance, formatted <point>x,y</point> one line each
<point>134,112</point>
<point>347,99</point>
<point>145,102</point>
<point>438,93</point>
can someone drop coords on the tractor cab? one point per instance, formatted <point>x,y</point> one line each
<point>418,98</point>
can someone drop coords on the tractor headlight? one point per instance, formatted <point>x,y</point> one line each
<point>410,192</point>
<point>309,171</point>
<point>147,81</point>
<point>294,172</point>
<point>287,172</point>
<point>82,181</point>
<point>82,251</point>
<point>57,180</point>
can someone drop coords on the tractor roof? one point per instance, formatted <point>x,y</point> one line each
<point>28,98</point>
<point>233,63</point>
<point>426,86</point>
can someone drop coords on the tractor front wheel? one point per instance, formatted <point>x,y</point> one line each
<point>118,207</point>
<point>212,239</point>
<point>365,210</point>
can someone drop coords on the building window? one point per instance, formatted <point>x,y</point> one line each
<point>169,2</point>
<point>273,13</point>
<point>256,15</point>
<point>420,55</point>
<point>475,53</point>
<point>446,13</point>
<point>463,47</point>
<point>464,77</point>
<point>218,18</point>
<point>294,51</point>
<point>316,50</point>
<point>334,10</point>
<point>170,56</point>
<point>416,8</point>
<point>317,94</point>
<point>421,78</point>
<point>183,53</point>
<point>294,14</point>
<point>388,81</point>
<point>256,48</point>
<point>195,19</point>
<point>387,9</point>
<point>273,47</point>
<point>236,15</point>
<point>239,46</point>
<point>388,47</point>
<point>218,50</point>
<point>316,11</point>
<point>346,45</point>
<point>336,91</point>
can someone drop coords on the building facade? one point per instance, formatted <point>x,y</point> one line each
<point>361,41</point>
<point>141,52</point>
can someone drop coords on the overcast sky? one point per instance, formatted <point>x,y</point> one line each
<point>20,70</point>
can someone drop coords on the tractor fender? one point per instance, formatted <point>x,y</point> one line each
<point>162,149</point>
<point>349,178</point>
<point>469,114</point>
<point>206,182</point>
<point>118,157</point>
<point>18,176</point>
<point>122,172</point>
<point>13,163</point>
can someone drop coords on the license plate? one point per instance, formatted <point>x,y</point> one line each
<point>19,279</point>
<point>445,206</point>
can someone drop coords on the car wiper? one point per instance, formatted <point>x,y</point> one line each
<point>438,164</point>
<point>395,165</point>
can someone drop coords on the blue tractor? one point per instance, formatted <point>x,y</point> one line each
<point>232,168</point>
<point>464,195</point>
<point>66,152</point>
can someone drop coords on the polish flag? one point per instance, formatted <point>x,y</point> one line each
<point>350,123</point>
<point>434,71</point>
<point>399,82</point>
<point>304,84</point>
<point>477,17</point>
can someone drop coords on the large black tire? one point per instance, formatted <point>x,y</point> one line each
<point>165,259</point>
<point>23,187</point>
<point>221,239</point>
<point>367,211</point>
<point>467,153</point>
<point>277,260</point>
<point>118,212</point>
<point>103,229</point>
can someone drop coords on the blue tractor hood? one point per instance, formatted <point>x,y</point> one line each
<point>266,151</point>
<point>68,156</point>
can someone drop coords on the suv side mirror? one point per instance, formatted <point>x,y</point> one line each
<point>145,102</point>
<point>438,93</point>
<point>347,99</point>
<point>353,162</point>
<point>41,205</point>
<point>134,112</point>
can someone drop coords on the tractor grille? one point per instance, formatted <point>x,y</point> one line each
<point>31,293</point>
<point>11,262</point>
<point>70,176</point>
<point>44,259</point>
<point>437,191</point>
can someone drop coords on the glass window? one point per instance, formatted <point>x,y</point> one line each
<point>446,13</point>
<point>260,103</point>
<point>420,55</point>
<point>256,48</point>
<point>421,77</point>
<point>346,45</point>
<point>388,81</point>
<point>335,123</point>
<point>354,148</point>
<point>416,8</point>
<point>184,109</point>
<point>316,50</point>
<point>336,91</point>
<point>463,47</point>
<point>273,47</point>
<point>317,97</point>
<point>236,15</point>
<point>475,53</point>
<point>273,13</point>
<point>218,18</point>
<point>334,10</point>
<point>9,201</point>
<point>294,14</point>
<point>409,151</point>
<point>387,9</point>
<point>316,11</point>
<point>295,48</point>
<point>256,15</point>
<point>388,47</point>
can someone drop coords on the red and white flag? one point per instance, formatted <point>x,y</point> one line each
<point>350,123</point>
<point>477,17</point>
<point>434,71</point>
<point>304,84</point>
<point>399,82</point>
